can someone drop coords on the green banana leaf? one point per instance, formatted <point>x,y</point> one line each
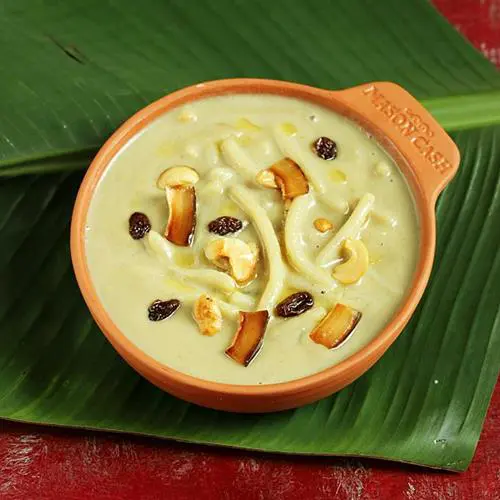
<point>77,69</point>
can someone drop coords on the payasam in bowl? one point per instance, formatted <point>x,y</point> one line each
<point>253,245</point>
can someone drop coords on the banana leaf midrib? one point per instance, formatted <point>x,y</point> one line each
<point>460,112</point>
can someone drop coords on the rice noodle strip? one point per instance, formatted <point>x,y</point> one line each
<point>228,310</point>
<point>163,249</point>
<point>276,268</point>
<point>336,203</point>
<point>217,133</point>
<point>296,217</point>
<point>243,301</point>
<point>236,157</point>
<point>291,149</point>
<point>351,229</point>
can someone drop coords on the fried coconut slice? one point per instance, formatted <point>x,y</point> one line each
<point>249,337</point>
<point>287,176</point>
<point>336,326</point>
<point>182,214</point>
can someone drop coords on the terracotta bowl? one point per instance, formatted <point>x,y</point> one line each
<point>425,154</point>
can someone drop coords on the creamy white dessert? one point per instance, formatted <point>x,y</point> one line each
<point>251,239</point>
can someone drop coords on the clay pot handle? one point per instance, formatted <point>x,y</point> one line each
<point>397,115</point>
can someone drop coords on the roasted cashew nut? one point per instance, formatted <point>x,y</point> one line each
<point>177,176</point>
<point>207,315</point>
<point>235,256</point>
<point>356,264</point>
<point>266,179</point>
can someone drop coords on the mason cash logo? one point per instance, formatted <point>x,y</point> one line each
<point>410,125</point>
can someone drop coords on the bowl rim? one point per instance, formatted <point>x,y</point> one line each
<point>361,359</point>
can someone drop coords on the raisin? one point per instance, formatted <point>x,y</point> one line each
<point>162,309</point>
<point>225,225</point>
<point>138,225</point>
<point>325,148</point>
<point>295,305</point>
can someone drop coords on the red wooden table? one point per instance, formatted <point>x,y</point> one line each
<point>40,463</point>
